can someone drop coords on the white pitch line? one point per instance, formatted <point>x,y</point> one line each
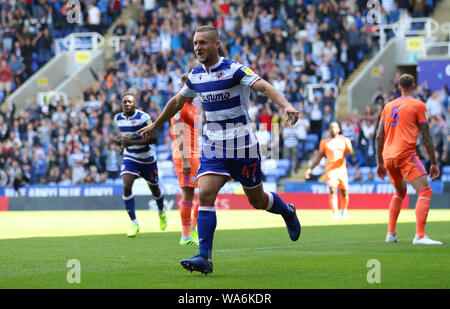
<point>300,246</point>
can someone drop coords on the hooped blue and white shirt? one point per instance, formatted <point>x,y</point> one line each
<point>225,96</point>
<point>128,126</point>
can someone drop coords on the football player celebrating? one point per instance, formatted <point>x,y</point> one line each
<point>139,159</point>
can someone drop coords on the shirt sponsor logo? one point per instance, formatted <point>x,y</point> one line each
<point>215,97</point>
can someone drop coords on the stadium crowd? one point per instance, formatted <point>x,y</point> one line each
<point>28,29</point>
<point>294,44</point>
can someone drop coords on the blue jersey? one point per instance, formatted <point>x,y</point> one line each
<point>225,96</point>
<point>128,126</point>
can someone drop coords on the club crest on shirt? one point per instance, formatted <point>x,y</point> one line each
<point>177,115</point>
<point>219,75</point>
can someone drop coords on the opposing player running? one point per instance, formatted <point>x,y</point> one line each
<point>186,157</point>
<point>400,123</point>
<point>230,148</point>
<point>335,149</point>
<point>139,159</point>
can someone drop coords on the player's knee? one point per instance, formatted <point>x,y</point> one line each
<point>155,190</point>
<point>401,194</point>
<point>206,197</point>
<point>127,190</point>
<point>426,193</point>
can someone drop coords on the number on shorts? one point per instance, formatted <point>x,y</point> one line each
<point>246,170</point>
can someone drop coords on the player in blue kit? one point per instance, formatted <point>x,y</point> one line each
<point>139,159</point>
<point>230,148</point>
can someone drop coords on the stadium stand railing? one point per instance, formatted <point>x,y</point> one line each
<point>75,55</point>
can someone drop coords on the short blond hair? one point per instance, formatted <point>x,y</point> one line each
<point>406,82</point>
<point>208,29</point>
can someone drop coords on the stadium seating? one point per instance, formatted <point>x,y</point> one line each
<point>311,142</point>
<point>365,170</point>
<point>445,174</point>
<point>269,71</point>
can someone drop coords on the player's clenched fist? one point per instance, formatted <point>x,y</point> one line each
<point>291,114</point>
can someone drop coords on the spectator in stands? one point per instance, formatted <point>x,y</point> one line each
<point>437,133</point>
<point>264,140</point>
<point>302,126</point>
<point>310,68</point>
<point>39,167</point>
<point>78,173</point>
<point>358,175</point>
<point>18,70</point>
<point>6,77</point>
<point>112,161</point>
<point>94,18</point>
<point>447,119</point>
<point>265,117</point>
<point>315,117</point>
<point>434,106</point>
<point>290,136</point>
<point>367,142</point>
<point>329,99</point>
<point>327,119</point>
<point>279,38</point>
<point>44,43</point>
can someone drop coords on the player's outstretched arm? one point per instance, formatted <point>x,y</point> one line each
<point>276,96</point>
<point>173,106</point>
<point>379,144</point>
<point>429,146</point>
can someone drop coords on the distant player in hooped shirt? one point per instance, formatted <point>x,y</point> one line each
<point>335,149</point>
<point>401,121</point>
<point>139,159</point>
<point>230,148</point>
<point>186,157</point>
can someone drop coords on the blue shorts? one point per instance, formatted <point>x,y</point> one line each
<point>246,171</point>
<point>147,171</point>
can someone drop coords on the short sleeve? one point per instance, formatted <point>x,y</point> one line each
<point>322,146</point>
<point>383,116</point>
<point>188,90</point>
<point>246,76</point>
<point>422,113</point>
<point>146,119</point>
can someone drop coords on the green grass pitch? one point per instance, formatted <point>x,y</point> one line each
<point>251,250</point>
